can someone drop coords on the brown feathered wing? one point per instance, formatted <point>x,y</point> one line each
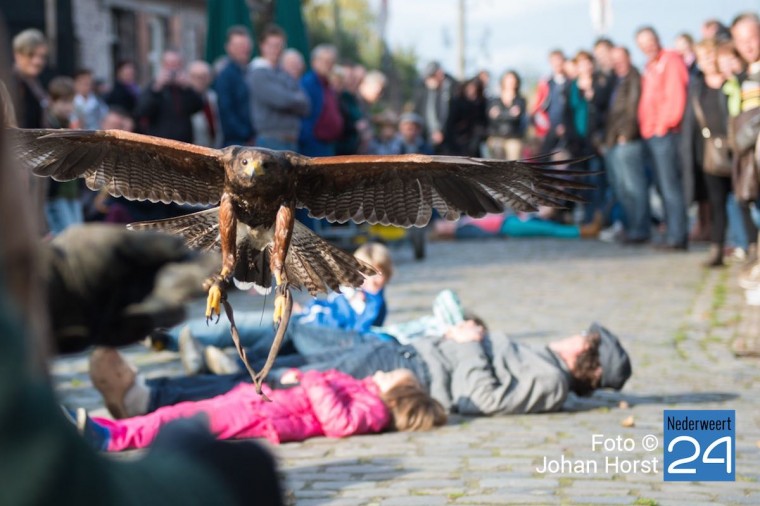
<point>403,190</point>
<point>138,167</point>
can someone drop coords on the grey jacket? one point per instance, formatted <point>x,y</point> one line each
<point>277,101</point>
<point>498,376</point>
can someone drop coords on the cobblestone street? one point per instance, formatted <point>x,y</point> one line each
<point>676,319</point>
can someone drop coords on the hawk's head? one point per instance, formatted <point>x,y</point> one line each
<point>245,165</point>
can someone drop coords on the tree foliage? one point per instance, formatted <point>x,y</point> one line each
<point>352,26</point>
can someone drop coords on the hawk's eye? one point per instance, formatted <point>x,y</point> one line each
<point>245,161</point>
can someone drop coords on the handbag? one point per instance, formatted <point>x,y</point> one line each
<point>716,157</point>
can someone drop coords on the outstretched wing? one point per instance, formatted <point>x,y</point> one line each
<point>311,262</point>
<point>138,167</point>
<point>404,189</point>
<point>199,230</point>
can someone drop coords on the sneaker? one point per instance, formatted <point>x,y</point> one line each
<point>219,362</point>
<point>613,233</point>
<point>113,377</point>
<point>96,435</point>
<point>190,352</point>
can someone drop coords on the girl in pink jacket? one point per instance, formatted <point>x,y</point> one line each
<point>327,403</point>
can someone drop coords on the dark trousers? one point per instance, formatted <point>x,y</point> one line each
<point>718,189</point>
<point>310,339</point>
<point>360,362</point>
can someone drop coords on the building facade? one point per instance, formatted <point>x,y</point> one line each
<point>96,34</point>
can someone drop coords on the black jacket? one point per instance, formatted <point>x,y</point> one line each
<point>166,113</point>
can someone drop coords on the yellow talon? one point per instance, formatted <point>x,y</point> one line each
<point>279,308</point>
<point>278,278</point>
<point>214,302</point>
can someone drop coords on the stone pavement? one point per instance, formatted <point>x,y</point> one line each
<point>676,319</point>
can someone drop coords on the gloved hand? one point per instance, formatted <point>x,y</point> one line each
<point>110,286</point>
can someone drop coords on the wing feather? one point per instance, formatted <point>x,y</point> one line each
<point>199,230</point>
<point>403,190</point>
<point>134,166</point>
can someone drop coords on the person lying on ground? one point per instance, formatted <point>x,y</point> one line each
<point>538,224</point>
<point>466,369</point>
<point>353,309</point>
<point>305,339</point>
<point>327,403</point>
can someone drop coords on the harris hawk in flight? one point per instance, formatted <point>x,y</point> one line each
<point>256,192</point>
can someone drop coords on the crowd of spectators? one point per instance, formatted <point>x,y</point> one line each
<point>672,137</point>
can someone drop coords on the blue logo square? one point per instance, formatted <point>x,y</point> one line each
<point>699,445</point>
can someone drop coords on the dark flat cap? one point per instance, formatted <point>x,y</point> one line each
<point>616,365</point>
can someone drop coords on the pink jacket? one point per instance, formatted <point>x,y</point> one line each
<point>327,403</point>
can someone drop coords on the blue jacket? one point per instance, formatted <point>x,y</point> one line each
<point>234,105</point>
<point>308,143</point>
<point>337,312</point>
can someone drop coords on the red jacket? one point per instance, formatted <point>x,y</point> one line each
<point>663,94</point>
<point>327,403</point>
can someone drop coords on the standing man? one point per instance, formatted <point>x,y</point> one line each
<point>167,104</point>
<point>124,91</point>
<point>625,152</point>
<point>277,101</point>
<point>662,104</point>
<point>232,89</point>
<point>324,124</point>
<point>206,123</point>
<point>549,110</point>
<point>432,102</point>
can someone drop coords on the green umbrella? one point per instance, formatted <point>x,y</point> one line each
<point>288,15</point>
<point>222,14</point>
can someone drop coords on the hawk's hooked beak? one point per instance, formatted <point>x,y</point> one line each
<point>254,169</point>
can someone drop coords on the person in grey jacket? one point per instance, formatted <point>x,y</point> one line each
<point>277,101</point>
<point>472,372</point>
<point>466,369</point>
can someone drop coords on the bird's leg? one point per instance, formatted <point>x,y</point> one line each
<point>228,233</point>
<point>286,306</point>
<point>283,231</point>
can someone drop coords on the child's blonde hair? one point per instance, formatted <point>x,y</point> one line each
<point>412,408</point>
<point>378,256</point>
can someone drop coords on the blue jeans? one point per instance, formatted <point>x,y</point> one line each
<point>629,181</point>
<point>265,141</point>
<point>62,213</point>
<point>253,326</point>
<point>663,152</point>
<point>360,362</point>
<point>597,199</point>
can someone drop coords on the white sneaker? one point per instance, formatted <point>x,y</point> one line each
<point>219,362</point>
<point>613,233</point>
<point>190,352</point>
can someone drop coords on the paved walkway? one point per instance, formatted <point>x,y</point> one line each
<point>676,320</point>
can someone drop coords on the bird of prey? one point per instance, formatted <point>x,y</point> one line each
<point>258,190</point>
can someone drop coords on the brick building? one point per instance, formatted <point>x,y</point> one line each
<point>98,33</point>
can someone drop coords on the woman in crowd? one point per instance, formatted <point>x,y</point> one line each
<point>704,146</point>
<point>506,119</point>
<point>584,128</point>
<point>466,123</point>
<point>327,403</point>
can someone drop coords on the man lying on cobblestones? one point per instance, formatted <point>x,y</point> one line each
<point>466,369</point>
